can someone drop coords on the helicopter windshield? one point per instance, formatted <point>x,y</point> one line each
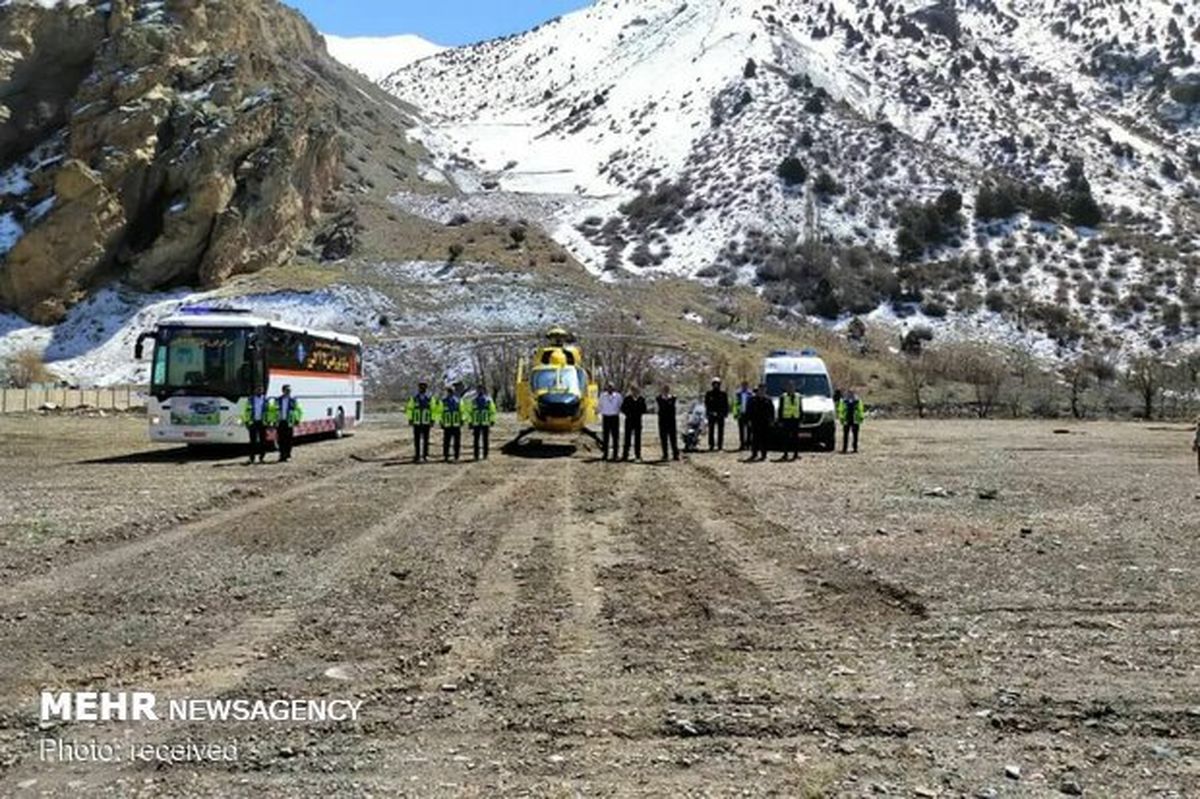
<point>564,381</point>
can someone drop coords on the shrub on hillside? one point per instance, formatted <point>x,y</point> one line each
<point>658,207</point>
<point>926,225</point>
<point>826,184</point>
<point>792,171</point>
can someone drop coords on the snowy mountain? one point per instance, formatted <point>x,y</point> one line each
<point>379,56</point>
<point>1031,159</point>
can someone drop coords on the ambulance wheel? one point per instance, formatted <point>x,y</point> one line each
<point>829,438</point>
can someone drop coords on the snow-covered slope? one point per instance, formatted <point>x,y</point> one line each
<point>379,56</point>
<point>654,133</point>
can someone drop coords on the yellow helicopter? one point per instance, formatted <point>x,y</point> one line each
<point>554,391</point>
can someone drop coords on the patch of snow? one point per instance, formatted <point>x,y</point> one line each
<point>14,181</point>
<point>10,232</point>
<point>376,57</point>
<point>37,212</point>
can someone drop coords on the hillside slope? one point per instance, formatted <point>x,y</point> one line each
<point>1031,160</point>
<point>176,143</point>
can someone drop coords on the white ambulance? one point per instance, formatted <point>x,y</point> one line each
<point>806,370</point>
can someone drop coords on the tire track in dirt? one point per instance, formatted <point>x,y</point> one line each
<point>513,507</point>
<point>350,565</point>
<point>588,657</point>
<point>528,658</point>
<point>159,608</point>
<point>676,607</point>
<point>76,575</point>
<point>243,643</point>
<point>740,529</point>
<point>231,661</point>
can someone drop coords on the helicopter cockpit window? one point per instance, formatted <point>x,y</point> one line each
<point>564,380</point>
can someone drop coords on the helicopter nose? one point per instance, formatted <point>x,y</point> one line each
<point>558,406</point>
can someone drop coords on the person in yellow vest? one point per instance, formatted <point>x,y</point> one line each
<point>256,415</point>
<point>741,404</point>
<point>791,409</point>
<point>420,417</point>
<point>850,412</point>
<point>449,413</point>
<point>481,416</point>
<point>285,414</point>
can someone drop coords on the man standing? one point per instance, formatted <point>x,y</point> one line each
<point>851,411</point>
<point>716,407</point>
<point>634,408</point>
<point>288,414</point>
<point>1196,445</point>
<point>741,405</point>
<point>762,415</point>
<point>482,414</point>
<point>668,432</point>
<point>610,418</point>
<point>255,416</point>
<point>420,417</point>
<point>791,408</point>
<point>450,415</point>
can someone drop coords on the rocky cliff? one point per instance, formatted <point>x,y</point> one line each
<point>165,143</point>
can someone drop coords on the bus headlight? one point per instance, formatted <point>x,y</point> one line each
<point>155,420</point>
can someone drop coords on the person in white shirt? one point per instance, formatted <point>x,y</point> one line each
<point>610,418</point>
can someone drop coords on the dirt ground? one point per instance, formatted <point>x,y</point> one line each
<point>964,609</point>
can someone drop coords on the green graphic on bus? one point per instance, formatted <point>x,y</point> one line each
<point>197,414</point>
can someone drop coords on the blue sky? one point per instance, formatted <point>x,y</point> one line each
<point>448,22</point>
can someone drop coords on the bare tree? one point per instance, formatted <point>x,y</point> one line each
<point>495,363</point>
<point>620,357</point>
<point>984,370</point>
<point>25,368</point>
<point>1078,377</point>
<point>916,372</point>
<point>981,367</point>
<point>1145,376</point>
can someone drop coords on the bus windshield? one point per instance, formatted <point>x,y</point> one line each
<point>210,362</point>
<point>807,385</point>
<point>564,380</point>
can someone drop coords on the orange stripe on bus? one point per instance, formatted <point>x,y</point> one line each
<point>302,373</point>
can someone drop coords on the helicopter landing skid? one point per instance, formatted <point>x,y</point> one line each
<point>521,436</point>
<point>524,447</point>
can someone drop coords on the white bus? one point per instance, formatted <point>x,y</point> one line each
<point>208,361</point>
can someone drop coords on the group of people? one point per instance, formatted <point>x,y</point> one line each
<point>262,413</point>
<point>753,410</point>
<point>451,412</point>
<point>612,406</point>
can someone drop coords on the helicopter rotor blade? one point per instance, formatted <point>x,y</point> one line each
<point>499,336</point>
<point>482,338</point>
<point>636,338</point>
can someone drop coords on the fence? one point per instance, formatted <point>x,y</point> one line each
<point>115,398</point>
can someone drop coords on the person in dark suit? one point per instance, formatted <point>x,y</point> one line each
<point>762,416</point>
<point>633,407</point>
<point>288,416</point>
<point>716,408</point>
<point>255,416</point>
<point>668,431</point>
